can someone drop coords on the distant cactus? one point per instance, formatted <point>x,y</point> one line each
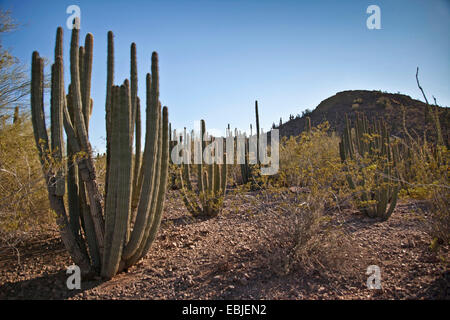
<point>102,241</point>
<point>370,143</point>
<point>16,115</point>
<point>207,198</point>
<point>308,125</point>
<point>249,171</point>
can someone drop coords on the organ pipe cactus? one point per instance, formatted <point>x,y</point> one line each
<point>248,171</point>
<point>16,115</point>
<point>369,146</point>
<point>102,240</point>
<point>308,125</point>
<point>207,198</point>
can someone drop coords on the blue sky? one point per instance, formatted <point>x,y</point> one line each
<point>217,57</point>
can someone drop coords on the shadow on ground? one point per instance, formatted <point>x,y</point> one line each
<point>47,287</point>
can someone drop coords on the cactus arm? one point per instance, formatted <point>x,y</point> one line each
<point>223,178</point>
<point>393,203</point>
<point>134,87</point>
<point>87,172</point>
<point>136,119</point>
<point>37,105</point>
<point>160,184</point>
<point>89,230</point>
<point>257,132</point>
<point>56,202</point>
<point>123,159</point>
<point>80,124</point>
<point>109,85</point>
<point>164,169</point>
<point>111,198</point>
<point>56,115</point>
<point>137,157</point>
<point>86,82</point>
<point>146,149</point>
<point>149,161</point>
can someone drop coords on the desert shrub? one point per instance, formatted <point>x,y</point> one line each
<point>309,187</point>
<point>423,168</point>
<point>24,203</point>
<point>316,243</point>
<point>384,102</point>
<point>311,162</point>
<point>439,217</point>
<point>306,239</point>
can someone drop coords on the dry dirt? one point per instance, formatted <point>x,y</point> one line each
<point>237,256</point>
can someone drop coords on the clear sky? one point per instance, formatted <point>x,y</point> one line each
<point>217,57</point>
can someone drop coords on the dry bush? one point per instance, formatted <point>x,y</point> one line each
<point>24,206</point>
<point>309,188</point>
<point>100,167</point>
<point>424,170</point>
<point>307,241</point>
<point>311,164</point>
<point>439,217</point>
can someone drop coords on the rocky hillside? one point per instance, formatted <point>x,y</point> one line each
<point>374,104</point>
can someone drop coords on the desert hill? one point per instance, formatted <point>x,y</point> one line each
<point>374,104</point>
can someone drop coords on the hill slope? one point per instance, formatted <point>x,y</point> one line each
<point>374,104</point>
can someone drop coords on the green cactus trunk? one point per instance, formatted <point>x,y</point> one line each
<point>102,242</point>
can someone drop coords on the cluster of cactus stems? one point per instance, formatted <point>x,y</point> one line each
<point>409,153</point>
<point>102,239</point>
<point>366,143</point>
<point>248,171</point>
<point>207,198</point>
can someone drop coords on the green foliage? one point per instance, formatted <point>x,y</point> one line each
<point>309,163</point>
<point>422,166</point>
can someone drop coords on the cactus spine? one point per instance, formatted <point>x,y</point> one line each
<point>102,242</point>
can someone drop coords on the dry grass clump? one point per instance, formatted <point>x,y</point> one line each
<point>24,206</point>
<point>439,217</point>
<point>23,198</point>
